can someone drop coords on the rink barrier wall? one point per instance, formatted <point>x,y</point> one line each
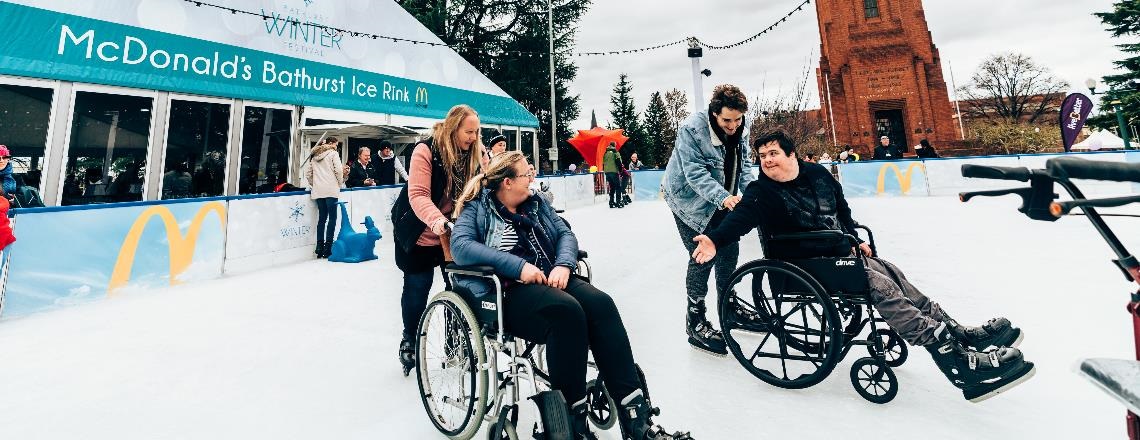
<point>74,254</point>
<point>67,255</point>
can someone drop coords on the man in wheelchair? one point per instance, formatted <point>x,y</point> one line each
<point>500,223</point>
<point>793,196</point>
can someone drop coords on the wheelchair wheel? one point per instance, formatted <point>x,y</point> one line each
<point>780,324</point>
<point>450,353</point>
<point>874,381</point>
<point>896,350</point>
<point>601,409</point>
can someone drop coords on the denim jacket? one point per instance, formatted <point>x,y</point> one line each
<point>694,179</point>
<point>479,231</point>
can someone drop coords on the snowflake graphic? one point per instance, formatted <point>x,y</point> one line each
<point>297,212</point>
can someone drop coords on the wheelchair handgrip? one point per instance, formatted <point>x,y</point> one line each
<point>478,271</point>
<point>1077,168</point>
<point>1059,209</point>
<point>992,172</point>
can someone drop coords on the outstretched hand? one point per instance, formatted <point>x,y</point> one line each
<point>706,249</point>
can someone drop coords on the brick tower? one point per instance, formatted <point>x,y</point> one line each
<point>880,74</point>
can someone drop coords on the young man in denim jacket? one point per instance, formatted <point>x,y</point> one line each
<point>709,166</point>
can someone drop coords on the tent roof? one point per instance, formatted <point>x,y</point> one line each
<point>1101,139</point>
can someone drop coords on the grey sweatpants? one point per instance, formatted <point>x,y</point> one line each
<point>910,313</point>
<point>697,275</point>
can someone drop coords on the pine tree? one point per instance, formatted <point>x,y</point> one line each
<point>624,116</point>
<point>656,126</point>
<point>1123,20</point>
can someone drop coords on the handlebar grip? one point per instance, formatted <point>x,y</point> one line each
<point>1000,173</point>
<point>1059,209</point>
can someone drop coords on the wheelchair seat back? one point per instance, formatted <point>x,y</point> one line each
<point>837,275</point>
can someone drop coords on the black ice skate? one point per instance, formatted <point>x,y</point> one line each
<point>997,332</point>
<point>634,415</point>
<point>579,424</point>
<point>979,375</point>
<point>701,334</point>
<point>407,355</point>
<point>747,317</point>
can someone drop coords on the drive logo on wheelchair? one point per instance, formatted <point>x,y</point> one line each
<point>845,262</point>
<point>487,305</point>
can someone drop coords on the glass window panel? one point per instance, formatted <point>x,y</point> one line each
<point>195,163</point>
<point>512,139</point>
<point>527,146</point>
<point>870,8</point>
<point>25,114</point>
<point>106,157</point>
<point>265,149</point>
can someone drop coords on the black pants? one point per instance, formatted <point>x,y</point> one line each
<point>569,322</point>
<point>419,273</point>
<point>326,218</point>
<point>615,187</point>
<point>697,275</point>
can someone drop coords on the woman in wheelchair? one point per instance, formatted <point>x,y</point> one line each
<point>794,197</point>
<point>500,223</point>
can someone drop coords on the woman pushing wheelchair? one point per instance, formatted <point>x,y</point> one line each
<point>792,196</point>
<point>499,223</point>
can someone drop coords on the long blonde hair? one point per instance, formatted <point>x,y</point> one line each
<point>502,167</point>
<point>443,140</point>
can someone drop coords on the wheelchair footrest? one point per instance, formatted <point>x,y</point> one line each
<point>555,415</point>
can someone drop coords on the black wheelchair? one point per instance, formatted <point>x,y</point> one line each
<point>461,347</point>
<point>789,322</point>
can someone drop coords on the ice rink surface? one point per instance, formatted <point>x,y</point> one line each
<point>308,351</point>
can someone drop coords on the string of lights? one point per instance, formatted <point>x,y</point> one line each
<point>335,31</point>
<point>757,35</point>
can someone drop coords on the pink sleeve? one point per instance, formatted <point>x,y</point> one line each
<point>419,186</point>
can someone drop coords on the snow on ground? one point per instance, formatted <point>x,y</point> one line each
<point>308,351</point>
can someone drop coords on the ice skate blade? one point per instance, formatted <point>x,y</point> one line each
<point>708,352</point>
<point>1005,387</point>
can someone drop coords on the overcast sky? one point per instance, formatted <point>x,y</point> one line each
<point>1062,35</point>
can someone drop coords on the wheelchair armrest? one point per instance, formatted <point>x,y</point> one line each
<point>582,255</point>
<point>479,271</point>
<point>813,235</point>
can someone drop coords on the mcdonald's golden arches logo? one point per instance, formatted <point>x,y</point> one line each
<point>904,179</point>
<point>422,96</point>
<point>181,248</point>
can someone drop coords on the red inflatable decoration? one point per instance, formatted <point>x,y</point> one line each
<point>592,143</point>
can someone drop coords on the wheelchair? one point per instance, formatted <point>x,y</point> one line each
<point>461,348</point>
<point>789,322</point>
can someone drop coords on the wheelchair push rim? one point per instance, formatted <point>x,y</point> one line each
<point>780,324</point>
<point>450,357</point>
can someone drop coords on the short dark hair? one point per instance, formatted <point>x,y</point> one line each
<point>777,136</point>
<point>728,95</point>
<point>331,140</point>
<point>385,144</point>
<point>925,143</point>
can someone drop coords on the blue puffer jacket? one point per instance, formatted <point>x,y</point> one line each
<point>479,231</point>
<point>694,178</point>
<point>7,179</point>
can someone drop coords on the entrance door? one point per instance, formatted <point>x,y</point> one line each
<point>889,123</point>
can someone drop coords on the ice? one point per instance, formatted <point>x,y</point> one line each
<point>308,351</point>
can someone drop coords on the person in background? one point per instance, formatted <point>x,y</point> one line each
<point>6,235</point>
<point>388,166</point>
<point>825,159</point>
<point>886,150</point>
<point>924,150</point>
<point>361,172</point>
<point>7,173</point>
<point>612,167</point>
<point>176,182</point>
<point>496,146</point>
<point>634,164</point>
<point>810,158</point>
<point>325,181</point>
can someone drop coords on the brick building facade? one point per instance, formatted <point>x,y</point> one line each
<point>880,74</point>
